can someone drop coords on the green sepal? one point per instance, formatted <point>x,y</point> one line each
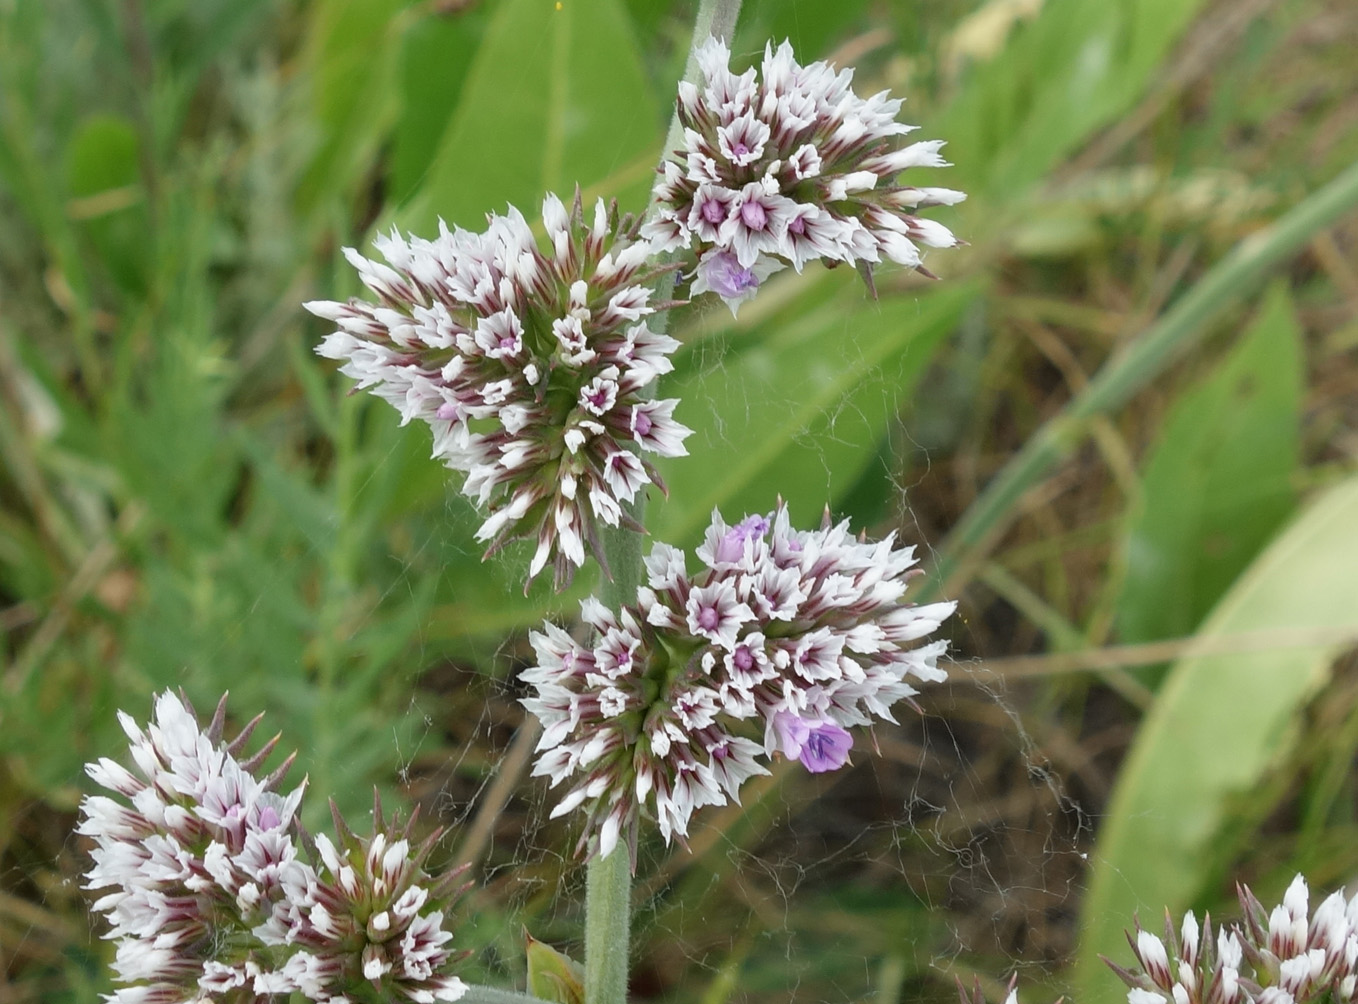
<point>552,975</point>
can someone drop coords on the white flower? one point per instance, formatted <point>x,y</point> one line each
<point>538,348</point>
<point>210,896</point>
<point>789,165</point>
<point>676,700</point>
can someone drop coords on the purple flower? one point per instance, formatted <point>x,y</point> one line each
<point>821,746</point>
<point>720,272</point>
<point>737,543</point>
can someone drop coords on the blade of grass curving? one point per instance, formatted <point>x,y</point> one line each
<point>1072,69</point>
<point>350,57</point>
<point>1218,724</point>
<point>1232,279</point>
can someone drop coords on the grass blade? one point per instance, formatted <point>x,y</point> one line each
<point>1232,279</point>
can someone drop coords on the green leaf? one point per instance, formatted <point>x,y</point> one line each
<point>350,60</point>
<point>552,975</point>
<point>554,98</point>
<point>1217,726</point>
<point>434,61</point>
<point>811,28</point>
<point>800,413</point>
<point>1219,483</point>
<point>102,155</point>
<point>1072,70</point>
<point>104,179</point>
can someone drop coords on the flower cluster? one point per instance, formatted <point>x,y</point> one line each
<point>783,641</point>
<point>529,365</point>
<point>211,900</point>
<point>786,166</point>
<point>1286,955</point>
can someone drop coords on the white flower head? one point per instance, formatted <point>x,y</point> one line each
<point>777,646</point>
<point>788,164</point>
<point>502,346</point>
<point>211,894</point>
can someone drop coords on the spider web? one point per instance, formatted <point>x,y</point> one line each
<point>949,849</point>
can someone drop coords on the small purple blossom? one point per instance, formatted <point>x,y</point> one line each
<point>826,748</point>
<point>720,272</point>
<point>738,542</point>
<point>820,746</point>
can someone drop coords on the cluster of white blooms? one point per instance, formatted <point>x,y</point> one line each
<point>211,900</point>
<point>783,641</point>
<point>1281,956</point>
<point>529,365</point>
<point>786,166</point>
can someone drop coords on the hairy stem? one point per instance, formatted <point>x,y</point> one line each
<point>608,921</point>
<point>608,889</point>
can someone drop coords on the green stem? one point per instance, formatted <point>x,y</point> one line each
<point>1233,278</point>
<point>608,886</point>
<point>608,921</point>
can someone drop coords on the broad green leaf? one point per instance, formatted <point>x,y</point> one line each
<point>553,975</point>
<point>435,57</point>
<point>103,179</point>
<point>1219,483</point>
<point>553,98</point>
<point>102,155</point>
<point>812,28</point>
<point>1218,724</point>
<point>802,412</point>
<point>1070,71</point>
<point>350,61</point>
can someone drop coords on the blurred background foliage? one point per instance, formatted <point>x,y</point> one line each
<point>1123,425</point>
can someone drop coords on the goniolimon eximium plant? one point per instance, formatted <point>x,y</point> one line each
<point>533,354</point>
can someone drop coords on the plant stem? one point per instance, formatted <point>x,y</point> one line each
<point>1233,278</point>
<point>608,886</point>
<point>608,921</point>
